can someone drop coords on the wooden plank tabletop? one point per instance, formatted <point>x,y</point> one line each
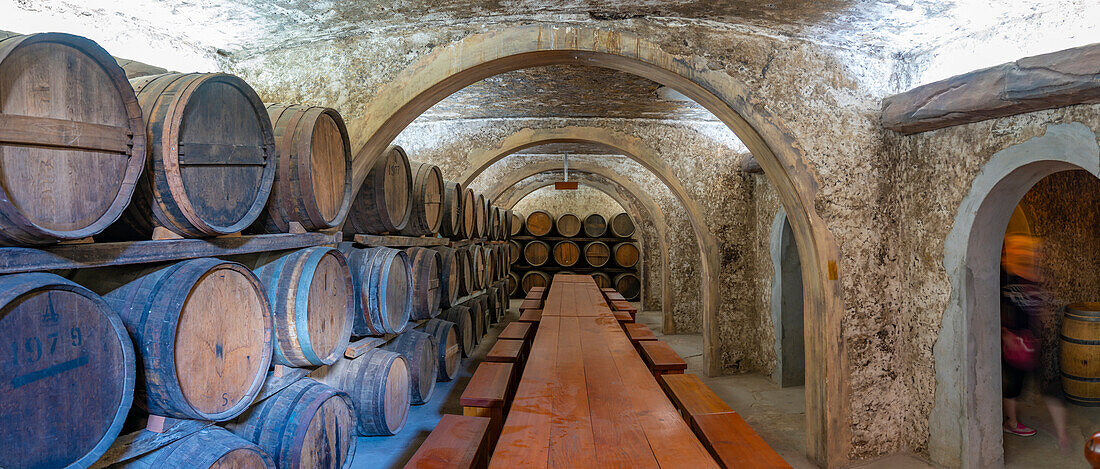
<point>586,399</point>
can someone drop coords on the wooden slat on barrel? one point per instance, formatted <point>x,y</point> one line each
<point>469,214</point>
<point>427,267</point>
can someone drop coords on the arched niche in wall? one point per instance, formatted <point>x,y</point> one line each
<point>965,421</point>
<point>449,68</point>
<point>786,305</point>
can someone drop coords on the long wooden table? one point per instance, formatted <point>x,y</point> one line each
<point>586,399</point>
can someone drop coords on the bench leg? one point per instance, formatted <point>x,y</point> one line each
<point>496,421</point>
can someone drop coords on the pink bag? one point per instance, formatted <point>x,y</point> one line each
<point>1021,349</point>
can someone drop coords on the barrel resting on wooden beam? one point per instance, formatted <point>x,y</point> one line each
<point>1047,81</point>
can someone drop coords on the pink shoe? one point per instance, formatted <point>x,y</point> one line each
<point>1019,430</point>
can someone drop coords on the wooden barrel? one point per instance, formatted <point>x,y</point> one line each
<point>1080,354</point>
<point>469,214</point>
<point>512,285</point>
<point>313,300</point>
<point>450,353</point>
<point>489,257</point>
<point>517,224</point>
<point>533,278</point>
<point>211,447</point>
<point>568,225</point>
<point>72,139</point>
<point>596,253</point>
<point>477,317</point>
<point>427,200</point>
<point>210,169</point>
<point>498,223</point>
<point>384,202</point>
<point>378,384</point>
<point>481,211</point>
<point>202,328</point>
<point>507,218</point>
<point>602,280</point>
<point>515,251</point>
<point>621,225</point>
<point>465,271</point>
<point>464,327</point>
<point>382,279</point>
<point>629,285</point>
<point>427,271</point>
<point>449,275</point>
<point>492,301</point>
<point>421,352</point>
<point>566,253</point>
<point>307,425</point>
<point>451,226</point>
<point>536,253</point>
<point>68,373</point>
<point>539,223</point>
<point>313,176</point>
<point>625,254</point>
<point>595,225</point>
<point>477,261</point>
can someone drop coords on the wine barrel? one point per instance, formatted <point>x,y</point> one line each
<point>210,169</point>
<point>464,327</point>
<point>596,253</point>
<point>492,300</point>
<point>568,225</point>
<point>629,285</point>
<point>307,425</point>
<point>469,214</point>
<point>1080,354</point>
<point>62,338</point>
<point>481,210</point>
<point>507,218</point>
<point>382,280</point>
<point>625,254</point>
<point>477,317</point>
<point>539,223</point>
<point>378,384</point>
<point>505,294</point>
<point>449,275</point>
<point>211,447</point>
<point>202,328</point>
<point>427,201</point>
<point>477,261</point>
<point>313,300</point>
<point>497,223</point>
<point>466,271</point>
<point>515,251</point>
<point>313,175</point>
<point>421,352</point>
<point>595,225</point>
<point>72,139</point>
<point>513,285</point>
<point>517,224</point>
<point>602,280</point>
<point>384,202</point>
<point>621,225</point>
<point>532,279</point>
<point>567,253</point>
<point>489,257</point>
<point>451,226</point>
<point>536,253</point>
<point>450,353</point>
<point>427,270</point>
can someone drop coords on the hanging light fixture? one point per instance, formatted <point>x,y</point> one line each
<point>565,184</point>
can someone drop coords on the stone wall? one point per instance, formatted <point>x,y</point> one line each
<point>581,202</point>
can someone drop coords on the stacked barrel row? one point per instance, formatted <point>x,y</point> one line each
<point>543,245</point>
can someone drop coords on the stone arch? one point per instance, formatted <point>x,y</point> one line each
<point>786,304</point>
<point>449,68</point>
<point>965,422</point>
<point>508,192</point>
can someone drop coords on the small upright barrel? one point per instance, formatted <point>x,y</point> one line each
<point>211,447</point>
<point>384,201</point>
<point>378,384</point>
<point>420,352</point>
<point>469,214</point>
<point>517,224</point>
<point>464,327</point>
<point>307,425</point>
<point>312,296</point>
<point>449,275</point>
<point>202,328</point>
<point>568,225</point>
<point>426,214</point>
<point>382,281</point>
<point>629,285</point>
<point>1080,354</point>
<point>595,225</point>
<point>427,271</point>
<point>313,176</point>
<point>533,279</point>
<point>451,226</point>
<point>539,223</point>
<point>212,156</point>
<point>566,253</point>
<point>72,139</point>
<point>602,280</point>
<point>69,376</point>
<point>536,253</point>
<point>621,225</point>
<point>625,254</point>
<point>450,353</point>
<point>596,253</point>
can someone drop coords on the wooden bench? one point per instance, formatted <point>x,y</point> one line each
<point>487,395</point>
<point>516,331</point>
<point>734,444</point>
<point>624,306</point>
<point>529,304</point>
<point>660,358</point>
<point>610,294</point>
<point>532,316</point>
<point>637,333</point>
<point>689,394</point>
<point>536,293</point>
<point>623,317</point>
<point>507,351</point>
<point>457,441</point>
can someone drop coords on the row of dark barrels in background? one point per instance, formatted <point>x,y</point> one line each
<point>196,153</point>
<point>626,283</point>
<point>569,254</point>
<point>195,339</point>
<point>542,223</point>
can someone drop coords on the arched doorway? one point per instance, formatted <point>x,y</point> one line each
<point>786,305</point>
